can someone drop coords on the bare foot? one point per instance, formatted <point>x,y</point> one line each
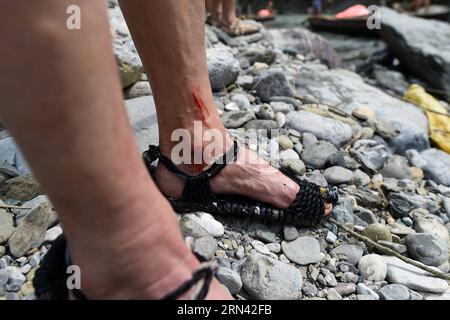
<point>250,176</point>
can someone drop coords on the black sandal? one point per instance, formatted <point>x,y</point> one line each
<point>50,281</point>
<point>307,210</point>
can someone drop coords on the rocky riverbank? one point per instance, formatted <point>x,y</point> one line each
<point>335,128</point>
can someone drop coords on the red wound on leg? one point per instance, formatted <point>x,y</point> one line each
<point>200,105</point>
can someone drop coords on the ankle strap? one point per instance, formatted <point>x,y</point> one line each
<point>196,188</point>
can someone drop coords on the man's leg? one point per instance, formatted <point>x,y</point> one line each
<point>214,7</point>
<point>229,12</point>
<point>173,52</point>
<point>65,110</point>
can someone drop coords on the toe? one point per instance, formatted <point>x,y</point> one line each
<point>328,209</point>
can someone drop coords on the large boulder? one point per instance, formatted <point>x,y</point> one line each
<point>306,43</point>
<point>347,91</point>
<point>423,46</point>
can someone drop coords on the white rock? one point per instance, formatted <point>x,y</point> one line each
<point>362,289</point>
<point>52,234</point>
<point>211,225</point>
<point>373,267</point>
<point>260,247</point>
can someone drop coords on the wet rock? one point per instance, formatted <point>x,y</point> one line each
<point>273,83</point>
<point>306,43</point>
<point>332,87</point>
<point>303,250</point>
<point>371,154</point>
<point>22,188</point>
<point>351,253</point>
<point>338,175</point>
<point>30,232</point>
<point>394,292</point>
<point>223,68</point>
<point>372,267</point>
<point>236,119</point>
<point>265,278</point>
<point>421,45</point>
<point>436,167</point>
<point>333,131</point>
<point>400,272</point>
<point>426,248</point>
<point>230,278</point>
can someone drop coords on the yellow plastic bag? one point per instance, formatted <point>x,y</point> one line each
<point>438,118</point>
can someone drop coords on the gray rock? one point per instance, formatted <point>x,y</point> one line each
<point>360,178</point>
<point>191,228</point>
<point>306,43</point>
<point>332,87</point>
<point>20,213</point>
<point>6,225</point>
<point>290,233</point>
<point>344,289</point>
<point>343,211</point>
<point>280,119</point>
<point>303,250</point>
<point>261,125</point>
<point>230,278</point>
<point>437,166</point>
<point>30,232</point>
<point>283,107</point>
<point>316,155</point>
<point>309,289</point>
<point>315,177</point>
<point>261,232</point>
<point>414,158</point>
<point>426,248</point>
<point>394,292</point>
<point>390,80</point>
<point>139,89</point>
<point>376,232</point>
<point>333,131</point>
<point>223,68</point>
<point>414,201</point>
<point>273,83</point>
<point>260,247</point>
<point>366,215</point>
<point>274,247</point>
<point>332,294</point>
<point>351,253</point>
<point>15,278</point>
<point>362,289</point>
<point>246,82</point>
<point>373,267</point>
<point>338,175</point>
<point>266,112</point>
<point>331,237</point>
<point>205,247</point>
<point>431,227</point>
<point>265,278</point>
<point>296,166</point>
<point>285,143</point>
<point>240,100</point>
<point>421,45</point>
<point>211,225</point>
<point>8,170</point>
<point>400,272</point>
<point>397,167</point>
<point>236,119</point>
<point>288,155</point>
<point>370,154</point>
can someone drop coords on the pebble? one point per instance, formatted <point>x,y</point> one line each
<point>332,294</point>
<point>211,225</point>
<point>426,248</point>
<point>431,227</point>
<point>260,247</point>
<point>25,268</point>
<point>205,247</point>
<point>360,178</point>
<point>338,175</point>
<point>295,166</point>
<point>35,259</point>
<point>376,232</point>
<point>285,280</point>
<point>261,232</point>
<point>309,289</point>
<point>394,292</point>
<point>236,119</point>
<point>231,107</point>
<point>363,113</point>
<point>280,119</point>
<point>285,143</point>
<point>4,276</point>
<point>266,112</point>
<point>230,278</point>
<point>223,68</point>
<point>6,225</point>
<point>350,252</point>
<point>52,234</point>
<point>240,100</point>
<point>397,247</point>
<point>317,155</point>
<point>274,247</point>
<point>331,237</point>
<point>282,107</point>
<point>15,279</point>
<point>273,83</point>
<point>372,267</point>
<point>345,289</point>
<point>303,250</point>
<point>290,233</point>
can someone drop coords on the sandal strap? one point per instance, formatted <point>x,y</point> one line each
<point>196,188</point>
<point>204,273</point>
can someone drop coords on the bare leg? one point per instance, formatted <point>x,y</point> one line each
<point>229,12</point>
<point>214,7</point>
<point>71,125</point>
<point>179,42</point>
